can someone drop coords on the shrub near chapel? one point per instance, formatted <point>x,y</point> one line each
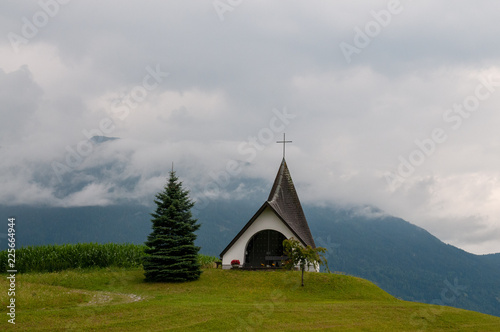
<point>303,257</point>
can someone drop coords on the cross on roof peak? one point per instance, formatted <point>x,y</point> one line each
<point>284,141</point>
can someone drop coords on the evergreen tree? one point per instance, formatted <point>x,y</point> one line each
<point>171,255</point>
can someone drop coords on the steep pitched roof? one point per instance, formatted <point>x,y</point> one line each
<point>284,201</point>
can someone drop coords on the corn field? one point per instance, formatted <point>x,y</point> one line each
<point>51,258</point>
<point>207,261</point>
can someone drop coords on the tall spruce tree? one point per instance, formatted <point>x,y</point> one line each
<point>171,255</point>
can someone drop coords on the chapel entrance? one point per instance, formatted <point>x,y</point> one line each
<point>264,250</point>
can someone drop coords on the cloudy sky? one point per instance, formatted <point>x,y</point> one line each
<point>389,103</point>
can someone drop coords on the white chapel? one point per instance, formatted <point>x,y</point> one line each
<point>259,244</point>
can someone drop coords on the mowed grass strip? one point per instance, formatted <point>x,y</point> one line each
<point>117,299</point>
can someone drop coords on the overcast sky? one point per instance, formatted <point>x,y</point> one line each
<point>392,104</point>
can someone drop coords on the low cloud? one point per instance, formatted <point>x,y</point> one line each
<point>353,122</point>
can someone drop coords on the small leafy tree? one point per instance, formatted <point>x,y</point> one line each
<point>171,255</point>
<point>301,256</point>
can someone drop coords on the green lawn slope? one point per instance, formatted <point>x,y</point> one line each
<point>116,299</point>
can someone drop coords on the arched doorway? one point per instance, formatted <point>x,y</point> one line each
<point>264,249</point>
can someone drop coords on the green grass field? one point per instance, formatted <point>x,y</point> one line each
<point>117,299</point>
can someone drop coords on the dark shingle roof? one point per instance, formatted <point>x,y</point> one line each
<point>284,201</point>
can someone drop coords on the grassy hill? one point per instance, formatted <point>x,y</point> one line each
<point>401,258</point>
<point>407,261</point>
<point>116,299</point>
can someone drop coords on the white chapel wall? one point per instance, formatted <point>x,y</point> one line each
<point>266,220</point>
